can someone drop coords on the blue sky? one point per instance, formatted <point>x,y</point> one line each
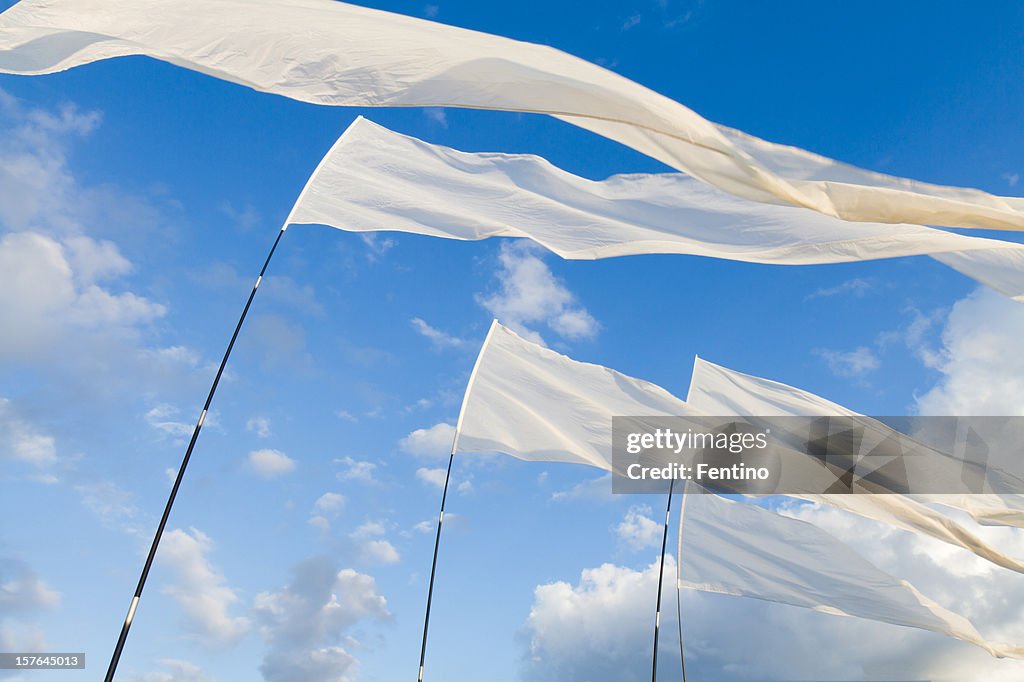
<point>137,203</point>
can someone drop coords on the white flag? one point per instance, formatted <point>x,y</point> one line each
<point>333,53</point>
<point>532,403</point>
<point>376,179</point>
<point>744,550</point>
<point>721,391</point>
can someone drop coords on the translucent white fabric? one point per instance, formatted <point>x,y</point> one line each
<point>536,404</point>
<point>744,550</point>
<point>333,53</point>
<point>721,391</point>
<point>376,179</point>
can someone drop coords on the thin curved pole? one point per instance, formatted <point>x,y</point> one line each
<point>661,575</point>
<point>112,668</point>
<point>433,565</point>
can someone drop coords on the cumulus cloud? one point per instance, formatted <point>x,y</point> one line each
<point>638,530</point>
<point>979,360</point>
<point>68,307</point>
<point>432,477</point>
<point>305,623</point>
<point>356,470</point>
<point>435,441</point>
<point>371,546</point>
<point>599,628</point>
<point>269,463</point>
<point>201,590</point>
<point>529,294</point>
<point>44,301</point>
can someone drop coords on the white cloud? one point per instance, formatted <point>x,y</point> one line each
<point>270,463</point>
<point>594,489</point>
<point>432,477</point>
<point>371,546</point>
<point>21,590</point>
<point>851,364</point>
<point>599,629</point>
<point>163,418</point>
<point>304,623</point>
<point>435,441</point>
<point>858,286</point>
<point>377,246</point>
<point>67,310</point>
<point>330,503</point>
<point>529,294</point>
<point>436,115</point>
<point>379,551</point>
<point>981,366</point>
<point>45,303</point>
<point>174,671</point>
<point>23,595</point>
<point>22,441</point>
<point>356,470</point>
<point>638,530</point>
<point>260,426</point>
<point>438,338</point>
<point>199,589</point>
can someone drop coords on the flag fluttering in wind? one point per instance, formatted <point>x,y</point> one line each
<point>334,53</point>
<point>721,391</point>
<point>536,404</point>
<point>377,179</point>
<point>744,550</point>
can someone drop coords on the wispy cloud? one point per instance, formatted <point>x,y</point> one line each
<point>437,338</point>
<point>850,364</point>
<point>856,287</point>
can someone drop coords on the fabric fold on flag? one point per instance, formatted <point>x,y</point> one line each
<point>743,550</point>
<point>334,53</point>
<point>376,179</point>
<point>535,404</point>
<point>721,391</point>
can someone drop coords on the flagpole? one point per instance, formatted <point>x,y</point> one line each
<point>112,668</point>
<point>661,574</point>
<point>433,565</point>
<point>444,492</point>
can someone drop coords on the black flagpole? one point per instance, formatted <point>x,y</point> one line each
<point>433,565</point>
<point>661,575</point>
<point>112,668</point>
<point>679,577</point>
